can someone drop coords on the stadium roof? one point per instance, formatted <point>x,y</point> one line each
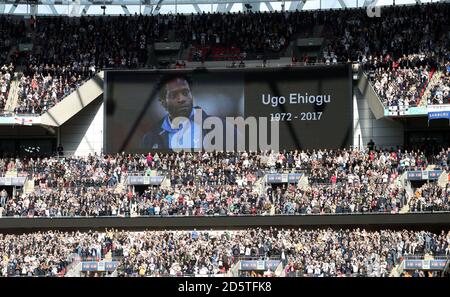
<point>127,7</point>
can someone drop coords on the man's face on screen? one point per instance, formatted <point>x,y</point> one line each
<point>178,101</point>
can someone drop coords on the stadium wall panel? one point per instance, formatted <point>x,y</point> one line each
<point>385,133</point>
<point>83,133</point>
<point>413,221</point>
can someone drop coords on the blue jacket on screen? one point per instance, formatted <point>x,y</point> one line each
<point>160,137</point>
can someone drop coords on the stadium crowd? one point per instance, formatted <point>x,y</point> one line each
<point>440,92</point>
<point>41,87</point>
<point>210,167</point>
<point>340,181</point>
<point>317,252</point>
<point>11,30</point>
<point>430,197</point>
<point>6,74</point>
<point>400,87</point>
<point>72,49</point>
<point>227,200</point>
<point>400,52</point>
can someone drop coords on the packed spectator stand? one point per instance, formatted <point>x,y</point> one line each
<point>401,85</point>
<point>430,197</point>
<point>303,252</point>
<point>202,184</point>
<point>402,50</point>
<point>440,92</point>
<point>402,53</point>
<point>40,88</point>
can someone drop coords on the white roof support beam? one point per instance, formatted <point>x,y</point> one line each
<point>75,8</point>
<point>342,3</point>
<point>148,9</point>
<point>51,5</point>
<point>221,7</point>
<point>269,6</point>
<point>85,10</point>
<point>34,9</point>
<point>368,2</point>
<point>13,8</point>
<point>297,5</point>
<point>197,8</point>
<point>158,7</point>
<point>229,7</point>
<point>124,7</point>
<point>125,10</point>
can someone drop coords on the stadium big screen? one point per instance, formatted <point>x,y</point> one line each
<point>303,108</point>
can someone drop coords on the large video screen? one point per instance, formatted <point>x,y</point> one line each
<point>228,109</point>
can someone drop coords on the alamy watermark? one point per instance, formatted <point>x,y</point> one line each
<point>224,134</point>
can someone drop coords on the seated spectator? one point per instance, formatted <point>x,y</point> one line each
<point>314,253</point>
<point>220,183</point>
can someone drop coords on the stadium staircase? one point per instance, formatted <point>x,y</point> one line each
<point>13,96</point>
<point>74,271</point>
<point>425,88</point>
<point>443,179</point>
<point>397,270</point>
<point>369,94</point>
<point>165,184</point>
<point>114,274</point>
<point>11,173</point>
<point>434,80</point>
<point>280,271</point>
<point>260,184</point>
<point>430,167</point>
<point>234,270</point>
<point>446,268</point>
<point>303,183</point>
<point>409,192</point>
<point>151,56</point>
<point>74,268</point>
<point>405,208</point>
<point>403,179</point>
<point>185,53</point>
<point>74,102</point>
<point>122,186</point>
<point>28,186</point>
